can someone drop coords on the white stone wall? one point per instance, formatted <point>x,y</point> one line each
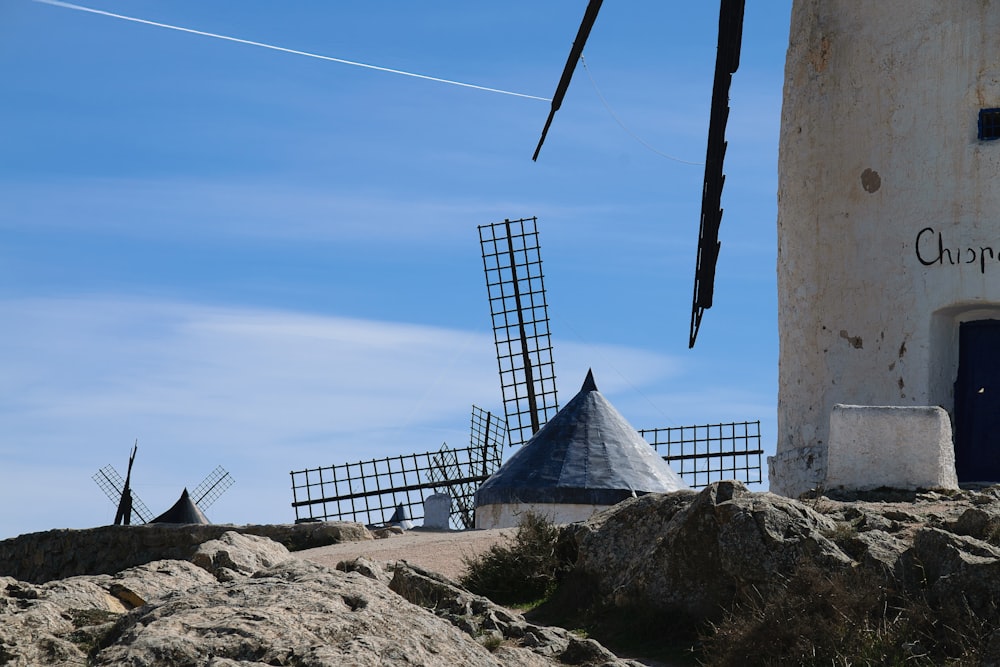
<point>879,158</point>
<point>509,515</point>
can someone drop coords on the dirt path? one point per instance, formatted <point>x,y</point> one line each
<point>438,551</point>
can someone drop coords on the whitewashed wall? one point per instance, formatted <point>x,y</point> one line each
<point>510,515</point>
<point>879,164</point>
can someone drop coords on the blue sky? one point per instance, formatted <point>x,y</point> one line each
<point>270,262</point>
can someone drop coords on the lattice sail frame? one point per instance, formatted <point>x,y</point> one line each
<point>370,491</point>
<point>708,453</point>
<point>213,486</point>
<point>486,440</point>
<point>726,64</point>
<point>516,288</point>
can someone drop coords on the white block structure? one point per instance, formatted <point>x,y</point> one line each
<point>889,225</point>
<point>886,446</point>
<point>437,511</point>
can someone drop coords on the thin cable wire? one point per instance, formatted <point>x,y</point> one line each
<point>80,8</point>
<point>617,119</point>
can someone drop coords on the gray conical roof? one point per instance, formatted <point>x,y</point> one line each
<point>587,454</point>
<point>183,511</point>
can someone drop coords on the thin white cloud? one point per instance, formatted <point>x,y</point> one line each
<point>176,359</point>
<point>260,392</point>
<point>203,209</point>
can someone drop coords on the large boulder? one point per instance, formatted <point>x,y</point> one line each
<point>692,553</point>
<point>479,617</point>
<point>234,554</point>
<point>950,564</point>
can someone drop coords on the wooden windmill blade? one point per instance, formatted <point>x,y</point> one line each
<point>589,17</point>
<point>460,476</point>
<point>124,513</point>
<point>726,63</point>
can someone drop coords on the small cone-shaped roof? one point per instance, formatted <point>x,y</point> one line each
<point>401,518</point>
<point>183,511</point>
<point>586,454</point>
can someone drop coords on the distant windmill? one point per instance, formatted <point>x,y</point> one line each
<point>130,508</point>
<point>516,288</point>
<point>119,491</point>
<point>727,62</point>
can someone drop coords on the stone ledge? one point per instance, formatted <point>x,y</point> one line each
<point>61,553</point>
<point>907,447</point>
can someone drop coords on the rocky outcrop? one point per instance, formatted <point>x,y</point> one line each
<point>237,598</point>
<point>244,600</point>
<point>295,613</point>
<point>479,617</point>
<point>234,554</point>
<point>694,553</point>
<point>59,622</point>
<point>55,554</point>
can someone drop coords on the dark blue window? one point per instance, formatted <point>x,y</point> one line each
<point>989,124</point>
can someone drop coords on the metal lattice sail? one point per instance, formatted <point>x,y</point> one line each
<point>516,288</point>
<point>461,479</point>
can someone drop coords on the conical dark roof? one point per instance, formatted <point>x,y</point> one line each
<point>183,511</point>
<point>401,518</point>
<point>587,454</point>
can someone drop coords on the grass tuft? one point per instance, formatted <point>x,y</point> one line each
<point>522,570</point>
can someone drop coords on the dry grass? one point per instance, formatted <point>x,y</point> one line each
<point>849,617</point>
<point>524,569</point>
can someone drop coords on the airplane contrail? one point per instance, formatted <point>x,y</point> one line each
<point>81,8</point>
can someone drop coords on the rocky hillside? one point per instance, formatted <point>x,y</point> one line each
<point>244,600</point>
<point>725,555</point>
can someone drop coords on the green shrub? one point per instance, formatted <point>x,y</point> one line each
<point>522,569</point>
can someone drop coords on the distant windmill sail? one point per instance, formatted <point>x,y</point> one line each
<point>459,477</point>
<point>129,508</point>
<point>124,513</point>
<point>213,486</point>
<point>516,288</point>
<point>727,62</point>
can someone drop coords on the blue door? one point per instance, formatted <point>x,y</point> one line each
<point>977,402</point>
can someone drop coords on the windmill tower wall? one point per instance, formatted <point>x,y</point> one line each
<point>888,213</point>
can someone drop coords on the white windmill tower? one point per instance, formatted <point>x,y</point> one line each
<point>889,225</point>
